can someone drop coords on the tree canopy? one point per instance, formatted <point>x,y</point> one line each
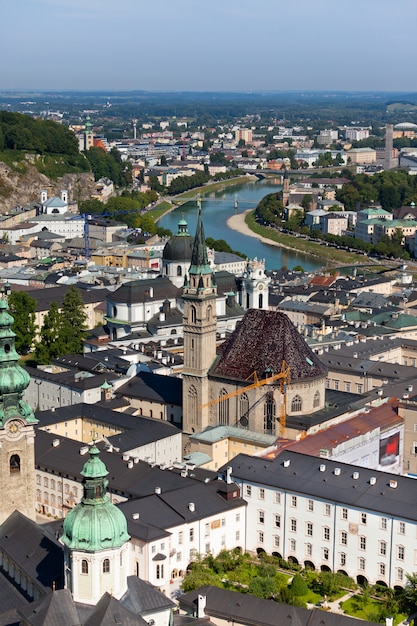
<point>22,308</point>
<point>63,330</point>
<point>22,132</point>
<point>109,165</point>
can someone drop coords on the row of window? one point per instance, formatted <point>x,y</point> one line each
<point>345,386</point>
<point>310,505</point>
<point>48,499</point>
<point>105,566</point>
<point>52,484</point>
<point>400,550</point>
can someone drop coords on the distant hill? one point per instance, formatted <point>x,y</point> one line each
<point>22,132</point>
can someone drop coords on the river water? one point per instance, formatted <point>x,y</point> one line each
<point>218,206</point>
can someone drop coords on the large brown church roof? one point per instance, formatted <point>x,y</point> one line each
<point>260,343</point>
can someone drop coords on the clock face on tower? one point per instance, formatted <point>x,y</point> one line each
<point>260,286</point>
<point>13,428</point>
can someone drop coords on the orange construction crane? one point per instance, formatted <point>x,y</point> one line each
<point>283,377</point>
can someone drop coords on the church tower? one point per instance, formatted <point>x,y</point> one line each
<point>17,435</point>
<point>285,188</point>
<point>200,324</point>
<point>255,286</point>
<point>95,539</point>
<point>88,134</point>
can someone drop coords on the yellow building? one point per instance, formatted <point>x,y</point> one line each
<point>223,443</point>
<point>362,155</point>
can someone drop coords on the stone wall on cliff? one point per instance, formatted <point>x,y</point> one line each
<point>24,187</point>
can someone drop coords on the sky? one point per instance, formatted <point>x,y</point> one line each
<point>215,45</point>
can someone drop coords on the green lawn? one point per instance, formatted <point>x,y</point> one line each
<point>310,597</point>
<point>369,610</point>
<point>160,210</point>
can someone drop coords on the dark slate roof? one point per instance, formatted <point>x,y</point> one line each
<point>97,361</point>
<point>143,598</point>
<point>10,598</point>
<point>136,429</point>
<point>149,386</point>
<point>10,618</point>
<point>226,282</point>
<point>45,297</point>
<point>57,608</point>
<point>169,509</point>
<point>67,379</point>
<point>336,403</point>
<point>302,475</point>
<point>109,611</point>
<point>179,248</point>
<point>149,430</point>
<point>261,341</point>
<point>235,607</point>
<point>173,317</point>
<point>40,555</point>
<point>141,290</point>
<point>138,481</point>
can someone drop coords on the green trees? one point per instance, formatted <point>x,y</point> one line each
<point>127,208</point>
<point>271,209</point>
<point>220,245</point>
<point>63,330</point>
<point>73,322</point>
<point>22,132</point>
<point>22,308</point>
<point>50,345</point>
<point>391,189</point>
<point>183,183</point>
<point>109,165</point>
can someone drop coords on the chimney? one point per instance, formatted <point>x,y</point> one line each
<point>201,605</point>
<point>229,475</point>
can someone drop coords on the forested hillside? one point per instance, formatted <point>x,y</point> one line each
<point>21,132</point>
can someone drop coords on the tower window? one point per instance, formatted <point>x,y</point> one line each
<point>106,566</point>
<point>223,408</point>
<point>179,270</point>
<point>193,313</point>
<point>244,410</point>
<point>14,464</point>
<point>84,566</point>
<point>316,400</point>
<point>296,404</point>
<point>269,414</point>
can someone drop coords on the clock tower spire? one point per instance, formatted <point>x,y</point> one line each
<point>17,435</point>
<point>200,325</point>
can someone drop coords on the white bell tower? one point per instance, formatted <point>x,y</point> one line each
<point>255,286</point>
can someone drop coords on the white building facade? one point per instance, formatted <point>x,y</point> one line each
<point>330,516</point>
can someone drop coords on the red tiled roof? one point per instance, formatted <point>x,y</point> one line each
<point>322,281</point>
<point>384,416</point>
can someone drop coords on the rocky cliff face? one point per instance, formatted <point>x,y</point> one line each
<point>24,187</point>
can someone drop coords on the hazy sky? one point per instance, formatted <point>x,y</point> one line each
<point>222,45</point>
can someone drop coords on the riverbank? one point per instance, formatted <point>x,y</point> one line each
<point>238,223</point>
<point>166,204</point>
<point>245,224</point>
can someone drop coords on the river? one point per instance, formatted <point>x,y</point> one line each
<point>219,206</point>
